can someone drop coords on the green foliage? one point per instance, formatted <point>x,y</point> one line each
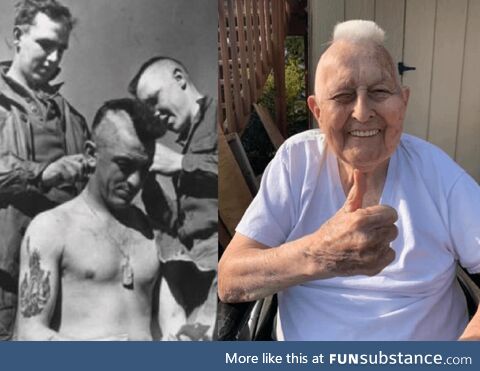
<point>294,85</point>
<point>294,48</point>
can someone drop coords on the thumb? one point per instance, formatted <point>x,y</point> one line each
<point>355,196</point>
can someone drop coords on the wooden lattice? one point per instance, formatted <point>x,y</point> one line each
<point>251,45</point>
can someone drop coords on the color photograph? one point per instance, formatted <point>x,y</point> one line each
<point>349,169</point>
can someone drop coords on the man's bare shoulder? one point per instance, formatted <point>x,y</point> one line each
<point>68,209</point>
<point>52,224</point>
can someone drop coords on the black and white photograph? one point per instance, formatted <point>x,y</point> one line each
<point>108,170</point>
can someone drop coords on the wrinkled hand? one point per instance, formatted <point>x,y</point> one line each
<point>166,161</point>
<point>67,169</point>
<point>356,240</point>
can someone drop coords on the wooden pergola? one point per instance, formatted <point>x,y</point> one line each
<point>251,47</point>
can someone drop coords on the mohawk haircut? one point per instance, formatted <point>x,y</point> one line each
<point>133,85</point>
<point>143,121</point>
<point>359,30</point>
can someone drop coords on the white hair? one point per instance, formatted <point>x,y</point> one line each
<point>359,30</point>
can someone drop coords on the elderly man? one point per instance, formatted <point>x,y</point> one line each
<point>359,227</point>
<point>188,224</point>
<point>41,137</point>
<point>95,280</point>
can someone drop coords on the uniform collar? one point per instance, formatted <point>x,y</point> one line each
<point>7,84</point>
<point>203,103</point>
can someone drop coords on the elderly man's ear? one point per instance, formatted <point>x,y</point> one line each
<point>90,153</point>
<point>314,108</point>
<point>405,94</point>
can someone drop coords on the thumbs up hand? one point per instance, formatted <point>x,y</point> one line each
<point>355,196</point>
<point>356,240</point>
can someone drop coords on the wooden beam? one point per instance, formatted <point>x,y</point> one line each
<point>234,195</point>
<point>272,130</point>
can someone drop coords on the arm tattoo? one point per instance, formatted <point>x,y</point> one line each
<point>35,287</point>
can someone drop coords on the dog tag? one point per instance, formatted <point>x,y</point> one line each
<point>127,274</point>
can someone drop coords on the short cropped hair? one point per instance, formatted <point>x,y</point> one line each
<point>133,85</point>
<point>142,118</point>
<point>359,30</point>
<point>27,10</point>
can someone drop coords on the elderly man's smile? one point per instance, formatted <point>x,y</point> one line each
<point>364,133</point>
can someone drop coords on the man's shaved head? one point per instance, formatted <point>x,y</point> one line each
<point>106,128</point>
<point>164,85</point>
<point>156,64</point>
<point>351,52</point>
<point>350,41</point>
<point>116,128</point>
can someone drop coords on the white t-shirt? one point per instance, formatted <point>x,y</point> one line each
<point>417,296</point>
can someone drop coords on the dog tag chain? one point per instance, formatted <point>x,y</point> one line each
<point>126,267</point>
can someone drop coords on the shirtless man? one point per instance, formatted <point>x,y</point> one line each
<point>88,267</point>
